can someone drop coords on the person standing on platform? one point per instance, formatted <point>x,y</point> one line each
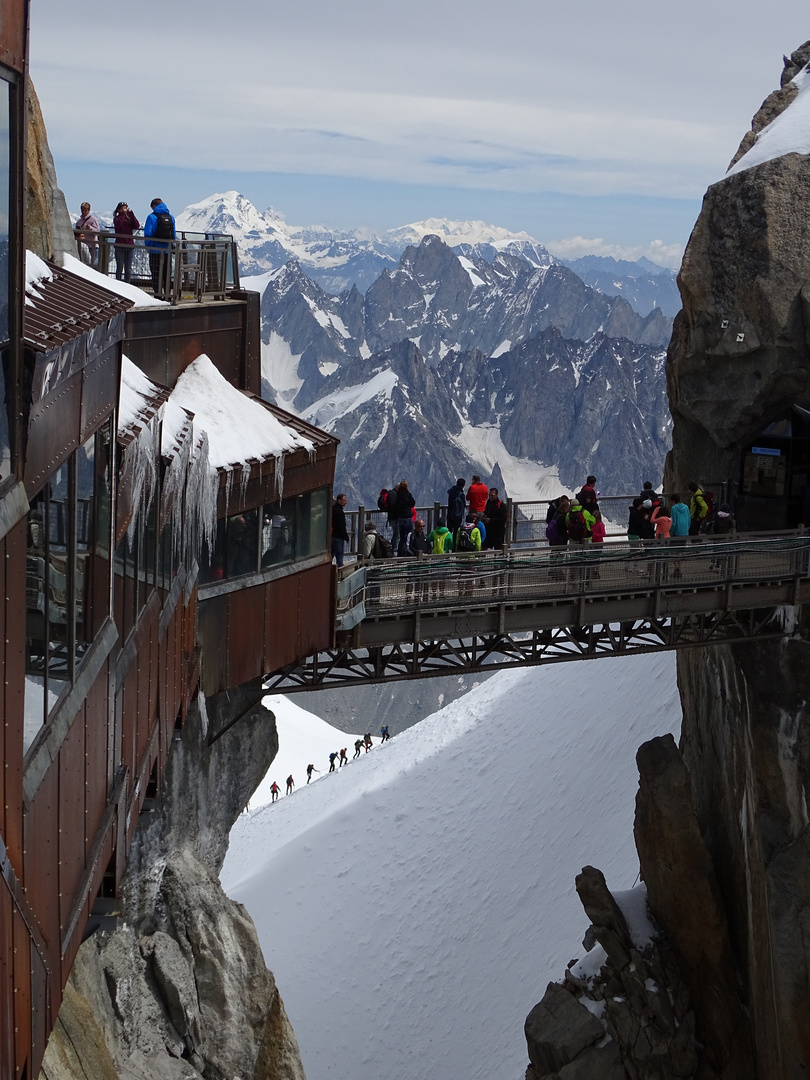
<point>457,505</point>
<point>495,519</point>
<point>477,495</point>
<point>404,505</point>
<point>159,231</point>
<point>125,223</point>
<point>340,536</point>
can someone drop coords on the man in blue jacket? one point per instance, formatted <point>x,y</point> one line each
<point>158,229</point>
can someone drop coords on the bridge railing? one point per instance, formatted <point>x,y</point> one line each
<point>526,520</point>
<point>439,581</point>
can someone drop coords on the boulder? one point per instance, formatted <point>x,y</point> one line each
<point>559,1028</point>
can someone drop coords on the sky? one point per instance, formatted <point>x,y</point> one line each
<point>592,126</point>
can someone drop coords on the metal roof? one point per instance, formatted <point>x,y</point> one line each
<point>59,309</point>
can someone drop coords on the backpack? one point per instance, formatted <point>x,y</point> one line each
<point>382,549</point>
<point>577,529</point>
<point>382,500</point>
<point>552,532</point>
<point>465,540</point>
<point>164,229</point>
<point>708,498</point>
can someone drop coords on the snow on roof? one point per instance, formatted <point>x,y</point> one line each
<point>131,292</point>
<point>139,398</point>
<point>239,429</point>
<point>789,133</point>
<point>36,271</point>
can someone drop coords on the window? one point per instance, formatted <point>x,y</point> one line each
<point>262,539</point>
<point>5,271</point>
<point>67,574</point>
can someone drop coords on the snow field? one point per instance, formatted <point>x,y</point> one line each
<point>414,906</point>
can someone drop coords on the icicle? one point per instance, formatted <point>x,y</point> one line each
<point>279,463</point>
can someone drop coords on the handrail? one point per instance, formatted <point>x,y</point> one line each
<point>394,587</point>
<point>193,266</point>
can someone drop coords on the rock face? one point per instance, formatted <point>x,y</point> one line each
<point>722,821</point>
<point>745,742</point>
<point>180,989</point>
<point>48,231</point>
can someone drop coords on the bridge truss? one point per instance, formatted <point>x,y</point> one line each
<point>422,619</point>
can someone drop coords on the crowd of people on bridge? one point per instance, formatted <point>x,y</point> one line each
<point>477,519</point>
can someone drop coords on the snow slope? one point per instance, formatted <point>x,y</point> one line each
<point>414,905</point>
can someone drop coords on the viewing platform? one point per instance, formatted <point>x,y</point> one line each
<point>194,267</point>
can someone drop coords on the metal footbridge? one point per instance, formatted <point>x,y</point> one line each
<point>442,615</point>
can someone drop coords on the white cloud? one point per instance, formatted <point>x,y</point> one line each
<point>574,247</point>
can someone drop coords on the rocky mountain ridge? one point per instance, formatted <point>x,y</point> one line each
<point>521,374</point>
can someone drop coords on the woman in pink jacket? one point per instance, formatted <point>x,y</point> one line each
<point>662,521</point>
<point>125,223</point>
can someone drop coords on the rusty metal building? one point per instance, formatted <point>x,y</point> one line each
<point>114,611</point>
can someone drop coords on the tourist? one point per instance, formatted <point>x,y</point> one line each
<point>125,223</point>
<point>86,231</point>
<point>340,536</point>
<point>457,504</point>
<point>159,231</point>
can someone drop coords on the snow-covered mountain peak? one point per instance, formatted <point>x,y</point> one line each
<point>226,212</point>
<point>456,232</point>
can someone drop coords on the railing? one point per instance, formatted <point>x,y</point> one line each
<point>525,523</point>
<point>394,588</point>
<point>194,266</point>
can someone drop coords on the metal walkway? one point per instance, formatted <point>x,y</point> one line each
<point>440,615</point>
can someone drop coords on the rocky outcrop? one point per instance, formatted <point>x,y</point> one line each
<point>180,989</point>
<point>623,1011</point>
<point>722,825</point>
<point>48,231</point>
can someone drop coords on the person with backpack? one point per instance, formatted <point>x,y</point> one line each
<point>274,790</point>
<point>441,539</point>
<point>403,507</point>
<point>290,784</point>
<point>158,230</point>
<point>468,537</point>
<point>358,746</point>
<point>495,520</point>
<point>310,770</point>
<point>375,546</point>
<point>578,524</point>
<point>384,733</point>
<point>698,508</point>
<point>456,505</point>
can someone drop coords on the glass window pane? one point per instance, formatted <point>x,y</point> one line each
<point>212,565</point>
<point>311,517</point>
<point>242,544</point>
<point>5,173</point>
<point>278,533</point>
<point>59,607</point>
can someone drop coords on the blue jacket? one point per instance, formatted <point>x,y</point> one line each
<point>680,520</point>
<point>151,224</point>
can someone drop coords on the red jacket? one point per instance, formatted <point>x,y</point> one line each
<point>477,495</point>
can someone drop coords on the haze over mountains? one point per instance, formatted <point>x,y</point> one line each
<point>337,259</point>
<point>472,351</point>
